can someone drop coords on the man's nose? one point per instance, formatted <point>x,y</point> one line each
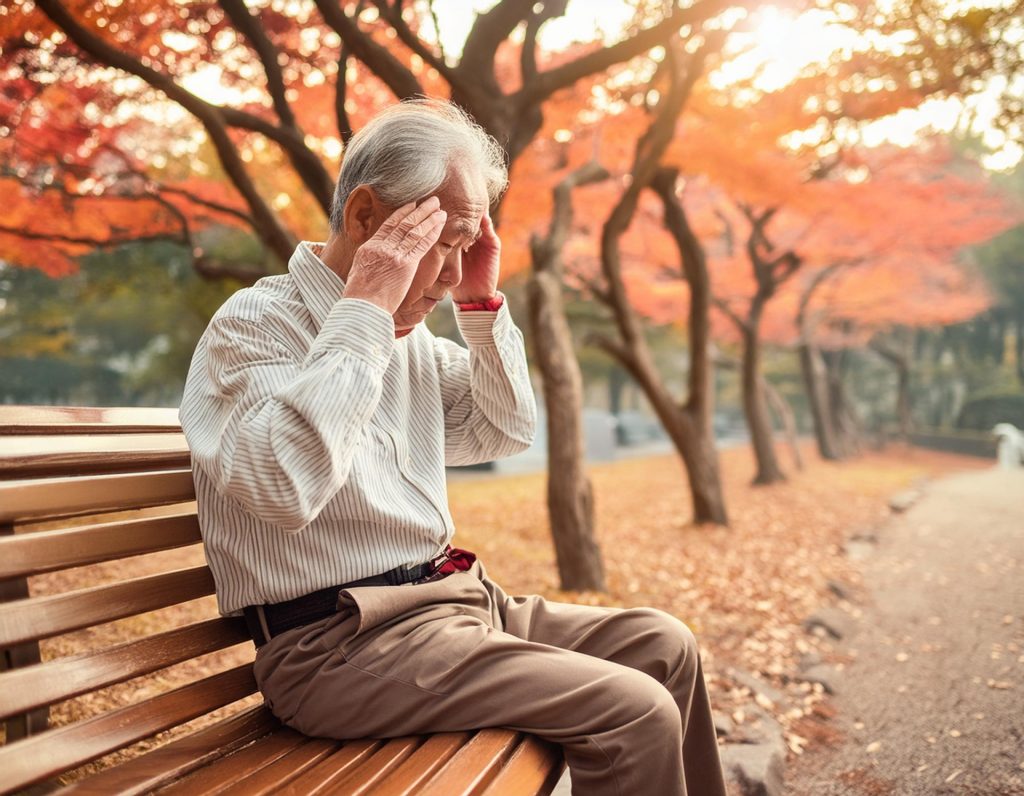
<point>451,271</point>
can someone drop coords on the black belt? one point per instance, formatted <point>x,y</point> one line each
<point>272,619</point>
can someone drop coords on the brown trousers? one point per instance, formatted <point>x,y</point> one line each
<point>621,690</point>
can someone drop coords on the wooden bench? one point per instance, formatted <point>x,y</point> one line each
<point>107,615</point>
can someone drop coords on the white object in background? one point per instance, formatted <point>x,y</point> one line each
<point>1010,447</point>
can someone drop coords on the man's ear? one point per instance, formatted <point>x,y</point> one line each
<point>364,213</point>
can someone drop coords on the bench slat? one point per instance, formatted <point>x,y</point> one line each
<point>46,551</point>
<point>322,777</point>
<point>535,767</point>
<point>178,758</point>
<point>22,690</point>
<point>214,777</point>
<point>103,420</point>
<point>379,765</point>
<point>270,778</point>
<point>419,767</point>
<point>42,756</point>
<point>69,454</point>
<point>30,499</point>
<point>473,767</point>
<point>41,617</point>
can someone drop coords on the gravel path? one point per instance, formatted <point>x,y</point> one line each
<point>933,701</point>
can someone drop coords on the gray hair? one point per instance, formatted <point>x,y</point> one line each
<point>404,153</point>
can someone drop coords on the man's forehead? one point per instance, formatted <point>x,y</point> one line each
<point>466,227</point>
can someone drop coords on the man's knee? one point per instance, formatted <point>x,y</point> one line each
<point>648,706</point>
<point>668,642</point>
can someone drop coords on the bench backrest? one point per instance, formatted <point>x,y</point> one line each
<point>99,550</point>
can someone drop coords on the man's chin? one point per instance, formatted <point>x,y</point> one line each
<point>402,329</point>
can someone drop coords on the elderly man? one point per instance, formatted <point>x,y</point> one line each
<point>321,413</point>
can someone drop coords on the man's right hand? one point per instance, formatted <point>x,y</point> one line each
<point>384,266</point>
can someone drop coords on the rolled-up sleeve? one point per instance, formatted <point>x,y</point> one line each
<point>489,407</point>
<point>276,432</point>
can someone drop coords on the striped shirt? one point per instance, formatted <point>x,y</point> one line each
<point>319,440</point>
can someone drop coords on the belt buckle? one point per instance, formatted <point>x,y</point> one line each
<point>436,563</point>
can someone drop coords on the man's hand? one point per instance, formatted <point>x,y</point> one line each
<point>480,265</point>
<point>384,266</point>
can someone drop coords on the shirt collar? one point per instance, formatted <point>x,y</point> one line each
<point>319,286</point>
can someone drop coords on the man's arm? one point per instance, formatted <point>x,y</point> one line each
<point>278,434</point>
<point>489,408</point>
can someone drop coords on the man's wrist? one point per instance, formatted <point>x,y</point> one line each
<point>491,304</point>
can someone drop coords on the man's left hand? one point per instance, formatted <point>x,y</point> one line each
<point>480,266</point>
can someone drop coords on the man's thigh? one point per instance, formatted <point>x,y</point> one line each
<point>646,639</point>
<point>445,668</point>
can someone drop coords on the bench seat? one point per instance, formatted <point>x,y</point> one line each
<point>99,546</point>
<point>251,753</point>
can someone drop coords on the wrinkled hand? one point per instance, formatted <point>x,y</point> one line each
<point>480,266</point>
<point>384,266</point>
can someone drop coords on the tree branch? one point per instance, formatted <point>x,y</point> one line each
<point>683,73</point>
<point>308,166</point>
<point>489,31</point>
<point>393,14</point>
<point>528,56</point>
<point>817,281</point>
<point>693,260</point>
<point>153,188</point>
<point>269,227</point>
<point>252,29</point>
<point>401,81</point>
<point>598,291</point>
<point>784,266</point>
<point>613,348</point>
<point>437,29</point>
<point>85,240</point>
<point>727,311</point>
<point>547,248</point>
<point>161,188</point>
<point>345,130</point>
<point>547,83</point>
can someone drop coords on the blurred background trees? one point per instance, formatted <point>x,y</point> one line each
<point>810,215</point>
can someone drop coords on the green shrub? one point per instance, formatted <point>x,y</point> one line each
<point>984,411</point>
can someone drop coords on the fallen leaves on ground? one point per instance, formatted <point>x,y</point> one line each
<point>744,590</point>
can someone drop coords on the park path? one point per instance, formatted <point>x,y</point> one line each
<point>933,700</point>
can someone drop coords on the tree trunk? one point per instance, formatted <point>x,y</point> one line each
<point>898,356</point>
<point>700,456</point>
<point>844,420</point>
<point>616,381</point>
<point>691,435</point>
<point>697,445</point>
<point>813,369</point>
<point>785,413</point>
<point>570,494</point>
<point>903,400</point>
<point>756,410</point>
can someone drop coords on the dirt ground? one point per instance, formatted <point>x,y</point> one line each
<point>932,699</point>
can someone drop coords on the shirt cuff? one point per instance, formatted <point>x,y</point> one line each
<point>490,305</point>
<point>360,327</point>
<point>482,327</point>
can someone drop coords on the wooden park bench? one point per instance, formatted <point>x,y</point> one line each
<point>117,675</point>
